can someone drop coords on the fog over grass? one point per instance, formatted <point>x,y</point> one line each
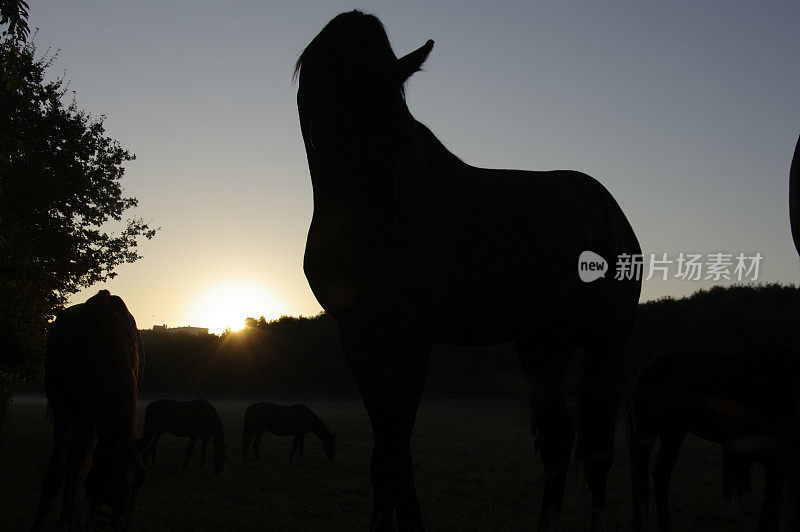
<point>475,469</point>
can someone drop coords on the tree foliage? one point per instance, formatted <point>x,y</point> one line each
<point>14,13</point>
<point>302,356</point>
<point>61,199</point>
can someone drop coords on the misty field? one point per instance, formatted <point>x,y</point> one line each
<point>475,469</point>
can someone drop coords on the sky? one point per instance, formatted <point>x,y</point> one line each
<point>688,112</point>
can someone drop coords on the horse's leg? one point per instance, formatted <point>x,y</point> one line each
<point>728,477</point>
<point>189,449</point>
<point>153,448</point>
<point>774,479</point>
<point>149,434</point>
<point>641,439</point>
<point>76,456</point>
<point>203,446</point>
<point>794,503</point>
<point>597,415</point>
<point>662,473</point>
<point>736,477</point>
<point>746,482</point>
<point>544,361</point>
<point>54,475</point>
<point>257,445</point>
<point>247,438</point>
<point>294,446</point>
<point>390,372</point>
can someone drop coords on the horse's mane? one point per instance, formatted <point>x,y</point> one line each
<point>345,34</point>
<point>108,328</point>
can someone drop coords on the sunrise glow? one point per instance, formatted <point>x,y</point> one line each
<point>225,305</point>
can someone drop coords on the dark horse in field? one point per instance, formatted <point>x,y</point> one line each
<point>409,247</point>
<point>794,218</point>
<point>92,368</point>
<point>748,401</point>
<point>281,420</point>
<point>197,419</point>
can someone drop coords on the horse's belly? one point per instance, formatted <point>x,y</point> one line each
<point>281,431</point>
<point>178,433</point>
<point>491,314</point>
<point>721,427</point>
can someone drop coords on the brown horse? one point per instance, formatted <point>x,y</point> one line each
<point>197,419</point>
<point>409,247</point>
<point>281,420</point>
<point>92,369</point>
<point>747,401</point>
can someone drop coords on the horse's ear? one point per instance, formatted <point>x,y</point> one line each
<point>410,63</point>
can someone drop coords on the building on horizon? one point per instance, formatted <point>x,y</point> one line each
<point>179,330</point>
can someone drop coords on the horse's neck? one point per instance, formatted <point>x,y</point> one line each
<point>319,428</point>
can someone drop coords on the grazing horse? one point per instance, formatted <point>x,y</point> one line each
<point>197,419</point>
<point>92,369</point>
<point>410,247</point>
<point>747,401</point>
<point>281,420</point>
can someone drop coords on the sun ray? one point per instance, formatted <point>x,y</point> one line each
<point>226,304</point>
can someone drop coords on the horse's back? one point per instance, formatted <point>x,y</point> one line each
<point>717,394</point>
<point>207,414</point>
<point>738,373</point>
<point>93,356</point>
<point>516,245</point>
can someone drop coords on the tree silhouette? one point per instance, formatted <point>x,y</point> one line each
<point>15,14</point>
<point>60,185</point>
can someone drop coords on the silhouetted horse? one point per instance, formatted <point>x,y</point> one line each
<point>409,247</point>
<point>197,419</point>
<point>794,196</point>
<point>747,401</point>
<point>92,368</point>
<point>294,420</point>
<point>794,217</point>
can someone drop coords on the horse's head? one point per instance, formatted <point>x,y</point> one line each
<point>115,481</point>
<point>219,457</point>
<point>330,447</point>
<point>351,82</point>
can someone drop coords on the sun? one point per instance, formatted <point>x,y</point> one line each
<point>226,304</point>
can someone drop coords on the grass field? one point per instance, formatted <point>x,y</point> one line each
<point>474,464</point>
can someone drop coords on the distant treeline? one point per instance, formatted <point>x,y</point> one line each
<point>302,355</point>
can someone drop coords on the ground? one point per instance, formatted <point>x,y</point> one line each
<point>475,469</point>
